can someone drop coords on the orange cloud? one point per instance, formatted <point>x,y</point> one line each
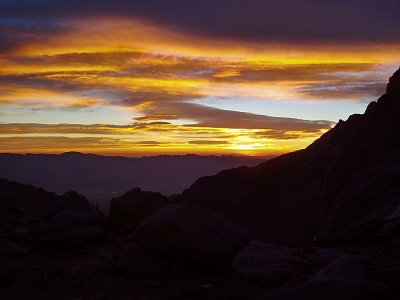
<point>156,73</point>
<point>116,140</point>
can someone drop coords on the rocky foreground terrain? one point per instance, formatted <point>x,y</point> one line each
<point>320,223</point>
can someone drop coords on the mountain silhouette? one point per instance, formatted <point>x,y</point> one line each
<point>345,179</point>
<point>100,178</point>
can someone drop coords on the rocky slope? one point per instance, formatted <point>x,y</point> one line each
<point>346,179</point>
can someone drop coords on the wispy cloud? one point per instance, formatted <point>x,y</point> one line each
<point>156,137</point>
<point>158,73</point>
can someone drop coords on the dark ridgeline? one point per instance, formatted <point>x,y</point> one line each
<point>100,178</point>
<point>344,180</point>
<point>319,223</point>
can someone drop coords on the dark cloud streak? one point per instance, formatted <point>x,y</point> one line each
<point>350,21</point>
<point>219,118</point>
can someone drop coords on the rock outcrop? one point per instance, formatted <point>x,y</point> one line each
<point>129,210</point>
<point>191,233</point>
<point>74,200</point>
<point>346,178</point>
<point>27,200</point>
<point>344,278</point>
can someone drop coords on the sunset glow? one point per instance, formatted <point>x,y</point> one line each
<point>120,85</point>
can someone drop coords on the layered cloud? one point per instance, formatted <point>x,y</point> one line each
<point>161,69</point>
<point>132,139</point>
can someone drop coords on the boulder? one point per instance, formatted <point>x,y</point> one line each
<point>6,277</point>
<point>137,261</point>
<point>343,279</point>
<point>10,249</point>
<point>385,265</point>
<point>191,233</point>
<point>209,291</point>
<point>346,268</point>
<point>131,209</point>
<point>90,233</point>
<point>271,265</point>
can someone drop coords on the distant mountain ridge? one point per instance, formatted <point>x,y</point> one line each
<point>102,177</point>
<point>344,180</point>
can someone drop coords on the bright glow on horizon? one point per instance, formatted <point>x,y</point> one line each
<point>127,87</point>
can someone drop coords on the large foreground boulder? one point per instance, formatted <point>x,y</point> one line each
<point>137,261</point>
<point>129,210</point>
<point>10,249</point>
<point>270,265</point>
<point>191,233</point>
<point>343,279</point>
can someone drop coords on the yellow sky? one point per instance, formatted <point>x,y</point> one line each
<point>128,87</point>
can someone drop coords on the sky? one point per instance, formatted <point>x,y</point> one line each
<point>147,77</point>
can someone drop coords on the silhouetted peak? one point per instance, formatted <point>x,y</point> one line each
<point>388,102</point>
<point>393,87</point>
<point>129,210</point>
<point>75,154</point>
<point>74,200</point>
<point>133,192</point>
<point>71,153</point>
<point>73,194</point>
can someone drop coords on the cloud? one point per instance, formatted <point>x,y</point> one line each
<point>149,143</point>
<point>219,118</point>
<point>364,91</point>
<point>284,135</point>
<point>143,77</point>
<point>27,128</point>
<point>208,142</point>
<point>287,20</point>
<point>132,131</point>
<point>104,63</point>
<point>156,117</point>
<point>57,144</point>
<point>15,32</point>
<point>238,142</point>
<point>154,60</point>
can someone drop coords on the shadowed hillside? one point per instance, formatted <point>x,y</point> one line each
<point>345,179</point>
